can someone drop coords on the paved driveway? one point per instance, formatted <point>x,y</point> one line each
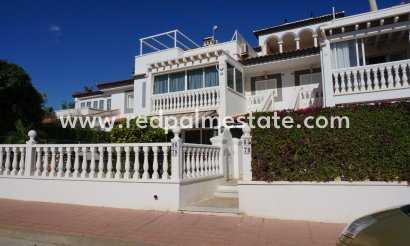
<point>159,228</point>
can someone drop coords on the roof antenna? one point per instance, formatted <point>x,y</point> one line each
<point>213,32</point>
<point>334,14</point>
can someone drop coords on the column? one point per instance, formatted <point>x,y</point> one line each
<point>177,154</point>
<point>246,153</point>
<point>297,43</point>
<point>280,47</point>
<point>315,40</point>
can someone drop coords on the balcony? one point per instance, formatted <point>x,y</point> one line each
<point>203,99</point>
<point>372,78</point>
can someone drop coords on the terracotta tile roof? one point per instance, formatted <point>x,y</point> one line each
<point>281,56</point>
<point>300,23</point>
<point>86,94</point>
<point>113,84</point>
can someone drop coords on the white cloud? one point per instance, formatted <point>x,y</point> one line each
<point>54,28</point>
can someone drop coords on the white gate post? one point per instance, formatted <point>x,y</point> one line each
<point>177,155</point>
<point>29,165</point>
<point>247,153</point>
<point>237,158</point>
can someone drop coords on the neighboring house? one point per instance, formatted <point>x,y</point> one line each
<point>320,61</point>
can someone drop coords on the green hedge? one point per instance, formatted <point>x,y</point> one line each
<point>376,147</point>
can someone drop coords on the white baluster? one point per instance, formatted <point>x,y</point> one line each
<point>217,161</point>
<point>218,98</point>
<point>337,86</point>
<point>349,82</point>
<point>92,164</point>
<point>110,173</point>
<point>100,174</point>
<point>53,162</point>
<point>368,80</point>
<point>206,162</point>
<point>14,165</point>
<point>68,163</point>
<point>155,174</point>
<point>45,163</point>
<point>389,78</point>
<point>165,174</point>
<point>188,163</point>
<point>60,171</point>
<point>355,82</point>
<point>7,163</point>
<point>118,163</point>
<point>84,173</point>
<point>214,160</point>
<point>196,102</point>
<point>38,162</point>
<point>361,78</point>
<point>185,163</point>
<point>127,173</point>
<point>136,163</point>
<point>201,162</point>
<point>76,162</point>
<point>397,76</point>
<point>22,163</point>
<point>145,174</point>
<point>405,78</point>
<point>197,162</point>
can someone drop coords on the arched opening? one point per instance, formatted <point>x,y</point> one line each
<point>272,46</point>
<point>306,39</point>
<point>289,42</point>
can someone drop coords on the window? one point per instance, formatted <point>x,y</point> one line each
<point>238,80</point>
<point>348,54</point>
<point>108,104</point>
<point>211,76</point>
<point>195,79</point>
<point>144,91</point>
<point>230,72</point>
<point>234,78</point>
<point>161,84</point>
<point>101,104</point>
<point>82,105</point>
<point>95,104</point>
<point>88,104</point>
<point>130,101</point>
<point>177,82</point>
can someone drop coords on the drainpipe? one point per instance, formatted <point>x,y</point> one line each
<point>373,5</point>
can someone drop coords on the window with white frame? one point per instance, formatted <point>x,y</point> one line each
<point>130,101</point>
<point>101,106</point>
<point>82,105</point>
<point>234,78</point>
<point>348,54</point>
<point>108,104</point>
<point>88,104</point>
<point>186,80</point>
<point>95,104</point>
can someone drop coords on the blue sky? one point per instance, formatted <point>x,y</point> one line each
<point>66,45</point>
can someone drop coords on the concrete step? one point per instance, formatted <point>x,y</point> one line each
<point>214,205</point>
<point>227,190</point>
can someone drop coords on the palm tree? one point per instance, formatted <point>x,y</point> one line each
<point>19,135</point>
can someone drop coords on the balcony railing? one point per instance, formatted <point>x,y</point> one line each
<point>207,98</point>
<point>262,101</point>
<point>372,78</point>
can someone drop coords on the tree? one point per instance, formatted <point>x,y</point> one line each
<point>19,135</point>
<point>64,104</point>
<point>18,98</point>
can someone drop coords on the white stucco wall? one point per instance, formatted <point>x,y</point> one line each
<point>323,202</point>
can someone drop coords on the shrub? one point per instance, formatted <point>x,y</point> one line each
<point>376,147</point>
<point>133,134</point>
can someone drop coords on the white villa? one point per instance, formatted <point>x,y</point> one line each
<point>316,62</point>
<point>320,61</point>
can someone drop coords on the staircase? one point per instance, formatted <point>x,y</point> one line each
<point>224,201</point>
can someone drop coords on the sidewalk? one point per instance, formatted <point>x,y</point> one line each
<point>157,228</point>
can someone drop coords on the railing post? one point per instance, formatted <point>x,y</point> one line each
<point>177,155</point>
<point>30,154</point>
<point>237,158</point>
<point>247,153</point>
